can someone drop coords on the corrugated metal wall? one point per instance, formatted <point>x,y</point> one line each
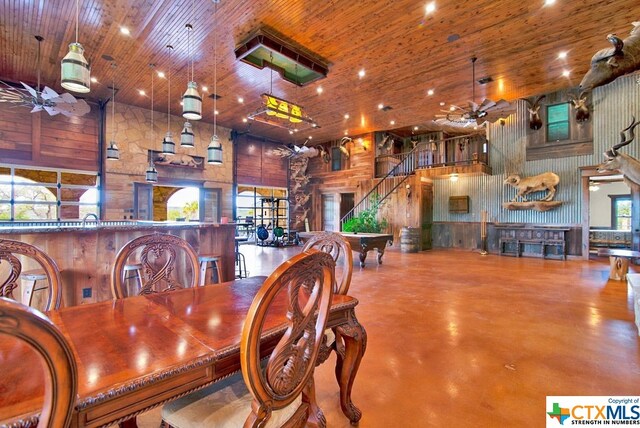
<point>613,106</point>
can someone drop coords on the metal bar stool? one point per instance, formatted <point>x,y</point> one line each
<point>33,276</point>
<point>133,271</point>
<point>212,260</point>
<point>241,264</point>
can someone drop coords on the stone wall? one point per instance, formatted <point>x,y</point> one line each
<point>134,138</point>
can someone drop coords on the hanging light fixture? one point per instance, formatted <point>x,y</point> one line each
<point>151,175</point>
<point>187,137</point>
<point>112,151</point>
<point>191,100</point>
<point>168,146</point>
<point>214,150</point>
<point>76,73</point>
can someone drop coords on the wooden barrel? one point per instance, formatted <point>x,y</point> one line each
<point>410,239</point>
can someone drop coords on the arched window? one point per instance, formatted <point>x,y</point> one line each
<point>89,203</point>
<point>184,205</point>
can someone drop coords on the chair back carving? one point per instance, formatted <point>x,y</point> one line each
<point>158,255</point>
<point>32,327</point>
<point>307,279</point>
<point>8,251</point>
<point>335,244</point>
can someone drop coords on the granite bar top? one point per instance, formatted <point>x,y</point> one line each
<point>22,227</point>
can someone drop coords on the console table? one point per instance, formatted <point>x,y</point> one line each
<point>549,242</point>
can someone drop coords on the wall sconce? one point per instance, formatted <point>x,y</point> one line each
<point>408,187</point>
<point>454,177</point>
<point>364,143</point>
<point>503,122</point>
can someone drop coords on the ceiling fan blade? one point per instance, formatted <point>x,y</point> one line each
<point>502,104</point>
<point>32,91</point>
<point>36,108</point>
<point>487,104</point>
<point>48,93</point>
<point>51,110</point>
<point>8,96</point>
<point>77,108</point>
<point>473,106</point>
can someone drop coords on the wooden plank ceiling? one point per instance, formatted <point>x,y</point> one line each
<point>403,51</point>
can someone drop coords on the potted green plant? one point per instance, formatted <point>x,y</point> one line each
<point>366,221</point>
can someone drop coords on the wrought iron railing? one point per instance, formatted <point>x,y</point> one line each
<point>395,169</point>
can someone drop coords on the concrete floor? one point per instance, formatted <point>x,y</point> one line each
<point>456,339</point>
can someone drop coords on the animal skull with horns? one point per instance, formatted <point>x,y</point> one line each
<point>628,166</point>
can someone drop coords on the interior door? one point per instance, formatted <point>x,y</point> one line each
<point>426,215</point>
<point>347,200</point>
<point>328,212</point>
<point>210,205</point>
<point>143,201</point>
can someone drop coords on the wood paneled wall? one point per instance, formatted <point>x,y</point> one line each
<point>257,165</point>
<point>358,169</point>
<point>40,140</point>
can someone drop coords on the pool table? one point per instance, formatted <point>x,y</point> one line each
<point>362,243</point>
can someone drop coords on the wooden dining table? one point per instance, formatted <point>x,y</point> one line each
<point>137,353</point>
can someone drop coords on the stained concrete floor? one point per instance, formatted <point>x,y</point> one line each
<point>456,339</point>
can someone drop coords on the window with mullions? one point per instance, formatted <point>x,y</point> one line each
<point>29,194</point>
<point>558,122</point>
<point>620,212</point>
<point>336,159</point>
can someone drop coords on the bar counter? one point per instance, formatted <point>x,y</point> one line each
<point>86,253</point>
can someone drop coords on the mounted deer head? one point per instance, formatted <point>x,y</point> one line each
<point>535,122</point>
<point>581,107</point>
<point>616,161</point>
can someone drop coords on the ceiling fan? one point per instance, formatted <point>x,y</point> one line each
<point>47,99</point>
<point>475,114</point>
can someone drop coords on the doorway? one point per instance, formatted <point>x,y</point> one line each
<point>426,214</point>
<point>347,201</point>
<point>329,212</point>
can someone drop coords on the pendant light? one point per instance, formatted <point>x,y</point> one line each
<point>151,175</point>
<point>112,151</point>
<point>76,73</point>
<point>214,150</point>
<point>168,146</point>
<point>191,100</point>
<point>187,137</point>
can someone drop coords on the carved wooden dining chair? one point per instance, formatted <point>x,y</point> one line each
<point>158,254</point>
<point>335,244</point>
<point>279,391</point>
<point>9,250</point>
<point>60,381</point>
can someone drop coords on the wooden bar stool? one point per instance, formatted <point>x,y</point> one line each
<point>212,260</point>
<point>240,260</point>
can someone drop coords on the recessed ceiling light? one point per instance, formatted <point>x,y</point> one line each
<point>562,55</point>
<point>205,89</point>
<point>415,128</point>
<point>310,137</point>
<point>295,130</point>
<point>566,73</point>
<point>141,92</point>
<point>161,74</point>
<point>181,103</point>
<point>452,108</point>
<point>431,7</point>
<point>94,80</point>
<point>216,112</point>
<point>346,116</point>
<point>549,2</point>
<point>430,92</point>
<point>346,132</point>
<point>361,73</point>
<point>291,131</point>
<point>380,106</point>
<point>442,103</point>
<point>125,31</point>
<point>319,89</point>
<point>244,119</point>
<point>393,122</point>
<point>240,100</point>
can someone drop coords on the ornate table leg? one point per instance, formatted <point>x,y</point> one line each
<point>363,256</point>
<point>349,355</point>
<point>380,254</point>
